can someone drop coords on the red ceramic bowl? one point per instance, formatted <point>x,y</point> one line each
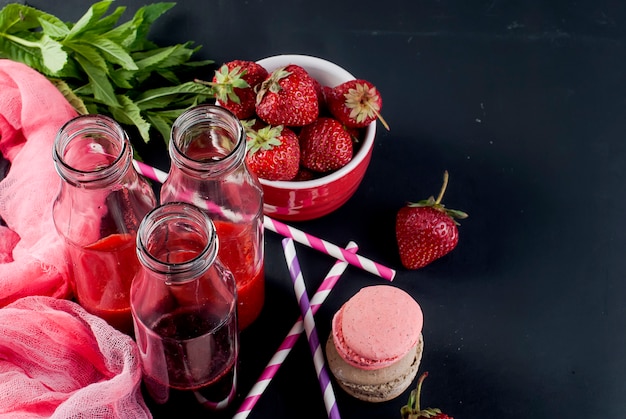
<point>310,199</point>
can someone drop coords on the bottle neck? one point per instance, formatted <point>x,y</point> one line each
<point>177,241</point>
<point>92,151</point>
<point>207,141</point>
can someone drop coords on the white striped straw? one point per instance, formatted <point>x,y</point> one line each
<point>292,337</point>
<point>311,331</point>
<point>328,248</point>
<point>149,171</point>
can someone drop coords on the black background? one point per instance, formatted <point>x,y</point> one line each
<point>523,102</point>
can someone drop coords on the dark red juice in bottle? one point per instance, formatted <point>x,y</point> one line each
<point>190,355</point>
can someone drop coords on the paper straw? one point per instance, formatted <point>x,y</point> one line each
<point>311,331</point>
<point>150,172</point>
<point>298,235</point>
<point>292,337</point>
<point>328,248</point>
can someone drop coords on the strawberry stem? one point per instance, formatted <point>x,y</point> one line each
<point>443,187</point>
<point>420,381</point>
<point>382,120</point>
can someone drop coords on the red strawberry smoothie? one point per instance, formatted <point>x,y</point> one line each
<point>102,278</point>
<point>237,251</point>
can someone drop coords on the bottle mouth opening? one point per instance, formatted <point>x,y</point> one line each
<point>207,138</point>
<point>177,240</point>
<point>91,148</point>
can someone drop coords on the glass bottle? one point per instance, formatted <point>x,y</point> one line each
<point>98,209</point>
<point>184,305</point>
<point>207,149</point>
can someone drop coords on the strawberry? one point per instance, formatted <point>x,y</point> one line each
<point>235,86</point>
<point>304,174</point>
<point>288,97</point>
<point>325,145</point>
<point>355,103</point>
<point>412,409</point>
<point>321,99</point>
<point>426,230</point>
<point>273,152</point>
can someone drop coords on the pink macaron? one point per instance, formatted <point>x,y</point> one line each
<point>376,343</point>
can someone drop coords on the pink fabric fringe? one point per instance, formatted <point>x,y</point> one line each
<point>31,256</point>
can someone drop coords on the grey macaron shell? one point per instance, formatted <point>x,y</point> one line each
<point>377,385</point>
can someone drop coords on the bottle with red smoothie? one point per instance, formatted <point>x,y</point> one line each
<point>207,150</point>
<point>184,305</point>
<point>98,209</point>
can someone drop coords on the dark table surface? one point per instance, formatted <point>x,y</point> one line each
<point>524,103</point>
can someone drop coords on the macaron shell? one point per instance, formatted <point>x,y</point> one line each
<point>377,326</point>
<point>378,385</point>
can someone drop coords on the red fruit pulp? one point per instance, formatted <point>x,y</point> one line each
<point>237,250</point>
<point>101,274</point>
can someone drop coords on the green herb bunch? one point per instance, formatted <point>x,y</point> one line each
<point>104,67</point>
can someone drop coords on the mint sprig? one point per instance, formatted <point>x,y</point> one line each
<point>102,65</point>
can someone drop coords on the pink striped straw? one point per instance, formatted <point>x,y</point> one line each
<point>328,248</point>
<point>297,235</point>
<point>311,331</point>
<point>150,172</point>
<point>292,337</point>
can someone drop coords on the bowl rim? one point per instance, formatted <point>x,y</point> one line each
<point>366,145</point>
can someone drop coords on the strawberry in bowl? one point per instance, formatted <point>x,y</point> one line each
<point>330,113</point>
<point>330,169</point>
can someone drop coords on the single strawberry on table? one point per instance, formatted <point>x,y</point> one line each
<point>426,230</point>
<point>289,96</point>
<point>412,409</point>
<point>273,153</point>
<point>325,145</point>
<point>355,103</point>
<point>235,84</point>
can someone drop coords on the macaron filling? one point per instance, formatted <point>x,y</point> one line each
<point>377,326</point>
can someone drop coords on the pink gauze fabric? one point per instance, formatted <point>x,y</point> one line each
<point>32,259</point>
<point>58,361</point>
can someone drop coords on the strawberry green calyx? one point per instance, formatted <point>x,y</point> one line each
<point>271,84</point>
<point>436,203</point>
<point>264,139</point>
<point>225,83</point>
<point>412,409</point>
<point>273,152</point>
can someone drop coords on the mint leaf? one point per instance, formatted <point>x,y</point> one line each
<point>111,51</point>
<point>29,56</point>
<point>103,66</point>
<point>162,122</point>
<point>158,98</point>
<point>144,18</point>
<point>88,52</point>
<point>16,18</point>
<point>44,54</point>
<point>107,23</point>
<point>146,61</point>
<point>70,96</point>
<point>87,20</point>
<point>102,88</point>
<point>122,79</point>
<point>54,57</point>
<point>52,26</point>
<point>35,49</point>
<point>130,114</point>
